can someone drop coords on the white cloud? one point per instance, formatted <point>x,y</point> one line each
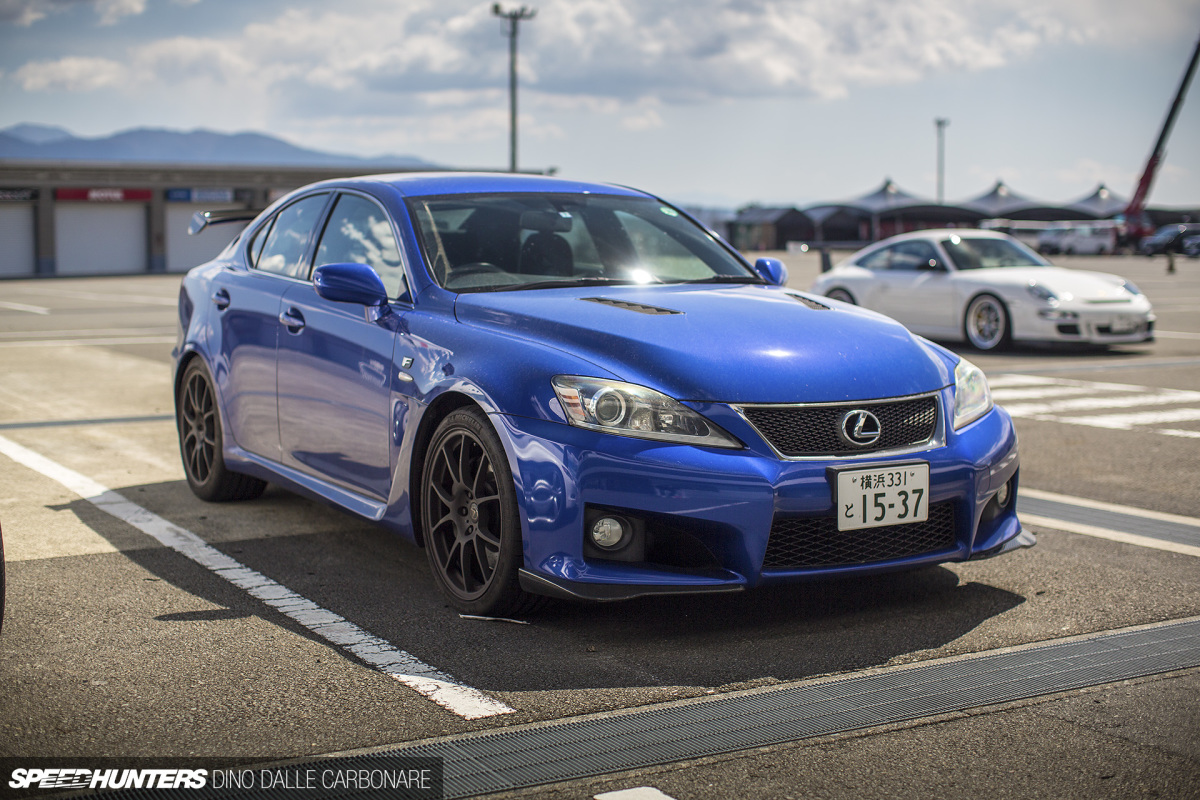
<point>27,12</point>
<point>71,74</point>
<point>441,65</point>
<point>110,11</point>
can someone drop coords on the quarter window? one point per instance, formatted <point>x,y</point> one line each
<point>287,242</point>
<point>913,256</point>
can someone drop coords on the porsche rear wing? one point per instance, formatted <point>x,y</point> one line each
<point>202,219</point>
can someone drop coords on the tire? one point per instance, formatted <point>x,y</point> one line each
<point>986,323</point>
<point>842,295</point>
<point>198,421</point>
<point>469,518</point>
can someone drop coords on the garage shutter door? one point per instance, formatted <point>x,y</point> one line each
<point>17,255</point>
<point>100,239</point>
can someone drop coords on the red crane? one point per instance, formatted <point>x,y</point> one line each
<point>1135,212</point>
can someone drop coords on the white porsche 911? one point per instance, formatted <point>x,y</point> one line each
<point>988,289</point>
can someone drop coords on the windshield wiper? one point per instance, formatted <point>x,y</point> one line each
<point>728,279</point>
<point>567,282</point>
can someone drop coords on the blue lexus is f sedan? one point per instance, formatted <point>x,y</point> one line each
<point>574,390</point>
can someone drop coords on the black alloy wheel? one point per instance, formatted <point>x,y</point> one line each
<point>469,517</point>
<point>200,437</point>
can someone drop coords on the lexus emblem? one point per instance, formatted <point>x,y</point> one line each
<point>859,428</point>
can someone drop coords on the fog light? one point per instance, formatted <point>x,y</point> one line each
<point>1004,495</point>
<point>609,532</point>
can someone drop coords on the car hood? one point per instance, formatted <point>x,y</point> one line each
<point>732,344</point>
<point>1079,284</point>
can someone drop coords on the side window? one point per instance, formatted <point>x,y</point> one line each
<point>359,231</point>
<point>878,261</point>
<point>913,256</point>
<point>286,243</point>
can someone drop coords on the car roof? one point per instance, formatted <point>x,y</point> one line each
<point>943,233</point>
<point>417,184</point>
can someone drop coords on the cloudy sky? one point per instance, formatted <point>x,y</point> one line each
<point>721,102</point>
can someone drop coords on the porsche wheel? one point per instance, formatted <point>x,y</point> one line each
<point>842,295</point>
<point>986,324</point>
<point>469,517</point>
<point>200,437</point>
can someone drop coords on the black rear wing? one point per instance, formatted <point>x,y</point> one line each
<point>202,219</point>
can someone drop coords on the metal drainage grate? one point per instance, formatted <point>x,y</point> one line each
<point>496,761</point>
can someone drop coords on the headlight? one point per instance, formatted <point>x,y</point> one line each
<point>1042,293</point>
<point>1130,287</point>
<point>629,410</point>
<point>972,397</point>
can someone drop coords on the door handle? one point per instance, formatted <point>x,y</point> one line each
<point>220,299</point>
<point>292,319</point>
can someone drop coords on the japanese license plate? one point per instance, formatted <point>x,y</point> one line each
<point>1123,324</point>
<point>892,494</point>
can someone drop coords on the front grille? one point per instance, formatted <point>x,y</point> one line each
<point>812,542</point>
<point>808,431</point>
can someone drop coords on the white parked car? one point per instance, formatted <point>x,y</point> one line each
<point>1079,238</point>
<point>989,289</point>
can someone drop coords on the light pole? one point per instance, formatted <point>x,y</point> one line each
<point>513,18</point>
<point>941,123</point>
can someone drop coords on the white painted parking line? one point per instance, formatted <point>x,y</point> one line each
<point>116,299</point>
<point>1100,532</point>
<point>1177,334</point>
<point>1108,533</point>
<point>108,341</point>
<point>640,793</point>
<point>1071,402</point>
<point>1125,422</point>
<point>437,686</point>
<point>1100,403</point>
<point>1115,508</point>
<point>25,308</point>
<point>87,332</point>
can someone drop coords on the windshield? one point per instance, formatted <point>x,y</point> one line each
<point>986,253</point>
<point>496,242</point>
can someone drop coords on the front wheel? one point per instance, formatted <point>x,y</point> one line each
<point>842,295</point>
<point>469,517</point>
<point>986,324</point>
<point>200,441</point>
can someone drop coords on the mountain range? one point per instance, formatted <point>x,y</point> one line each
<point>28,142</point>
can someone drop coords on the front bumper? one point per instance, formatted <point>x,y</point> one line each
<point>1088,324</point>
<point>714,520</point>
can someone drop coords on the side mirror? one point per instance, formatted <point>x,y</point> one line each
<point>350,283</point>
<point>772,270</point>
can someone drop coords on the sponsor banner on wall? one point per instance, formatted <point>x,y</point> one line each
<point>18,195</point>
<point>104,194</point>
<point>200,195</point>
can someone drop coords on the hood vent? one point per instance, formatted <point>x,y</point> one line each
<point>640,308</point>
<point>813,304</point>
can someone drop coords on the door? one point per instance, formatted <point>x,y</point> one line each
<point>248,304</point>
<point>915,288</point>
<point>335,372</point>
